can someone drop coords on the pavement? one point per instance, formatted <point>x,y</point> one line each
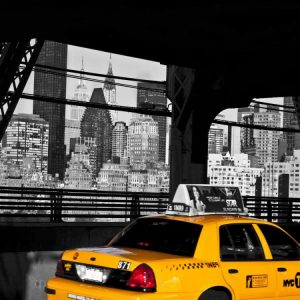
<point>23,275</point>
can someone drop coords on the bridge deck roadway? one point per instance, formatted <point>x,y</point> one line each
<point>24,237</point>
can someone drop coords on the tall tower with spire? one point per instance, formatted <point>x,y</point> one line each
<point>81,94</point>
<point>109,90</point>
<point>74,116</point>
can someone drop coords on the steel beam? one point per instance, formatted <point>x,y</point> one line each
<point>16,62</point>
<point>180,83</point>
<point>146,111</point>
<point>296,101</point>
<point>179,86</point>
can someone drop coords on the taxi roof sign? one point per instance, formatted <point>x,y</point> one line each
<point>202,199</point>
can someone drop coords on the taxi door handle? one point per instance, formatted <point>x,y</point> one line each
<point>233,271</point>
<point>281,269</point>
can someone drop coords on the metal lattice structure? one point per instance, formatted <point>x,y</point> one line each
<point>16,63</point>
<point>180,83</point>
<point>296,101</point>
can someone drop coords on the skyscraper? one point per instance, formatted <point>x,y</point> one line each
<point>234,139</point>
<point>109,90</point>
<point>233,170</point>
<point>119,140</point>
<point>72,123</point>
<point>96,123</point>
<point>26,137</point>
<point>72,130</point>
<point>143,141</point>
<point>82,163</point>
<point>266,141</point>
<point>290,120</point>
<point>81,94</point>
<point>247,136</point>
<point>270,177</point>
<point>150,93</point>
<point>215,139</point>
<point>55,55</point>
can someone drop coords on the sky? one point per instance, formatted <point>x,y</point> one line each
<point>231,114</point>
<point>97,62</point>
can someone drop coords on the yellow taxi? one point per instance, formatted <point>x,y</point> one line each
<point>203,248</point>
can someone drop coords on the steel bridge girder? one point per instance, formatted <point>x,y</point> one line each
<point>16,63</point>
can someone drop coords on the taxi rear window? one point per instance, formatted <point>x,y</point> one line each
<point>167,236</point>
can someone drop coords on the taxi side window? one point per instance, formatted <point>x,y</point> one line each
<point>282,246</point>
<point>240,242</point>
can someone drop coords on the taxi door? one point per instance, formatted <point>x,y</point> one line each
<point>286,256</point>
<point>243,263</point>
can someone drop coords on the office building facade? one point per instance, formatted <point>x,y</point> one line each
<point>55,55</point>
<point>26,142</point>
<point>119,141</point>
<point>248,145</point>
<point>266,141</point>
<point>96,123</point>
<point>152,93</point>
<point>233,171</point>
<point>72,130</point>
<point>81,165</point>
<point>143,141</point>
<point>215,139</point>
<point>290,121</point>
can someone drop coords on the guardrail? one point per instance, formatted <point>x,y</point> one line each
<point>281,210</point>
<point>67,205</point>
<point>21,204</point>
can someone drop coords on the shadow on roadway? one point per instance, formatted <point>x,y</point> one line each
<point>23,275</point>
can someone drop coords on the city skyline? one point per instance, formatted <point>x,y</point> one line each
<point>250,168</point>
<point>231,113</point>
<point>81,59</point>
<point>98,62</point>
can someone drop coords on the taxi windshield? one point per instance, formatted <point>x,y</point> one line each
<point>167,236</point>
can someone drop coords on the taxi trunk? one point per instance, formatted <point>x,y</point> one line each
<point>110,273</point>
<point>142,261</point>
<point>109,266</point>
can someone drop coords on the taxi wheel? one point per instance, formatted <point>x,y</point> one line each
<point>215,295</point>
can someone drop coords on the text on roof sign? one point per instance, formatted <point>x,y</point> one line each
<point>199,199</point>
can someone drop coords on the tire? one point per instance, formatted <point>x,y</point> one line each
<point>215,295</point>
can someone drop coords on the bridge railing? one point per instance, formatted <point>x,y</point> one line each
<point>21,204</point>
<point>281,210</point>
<point>66,205</point>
